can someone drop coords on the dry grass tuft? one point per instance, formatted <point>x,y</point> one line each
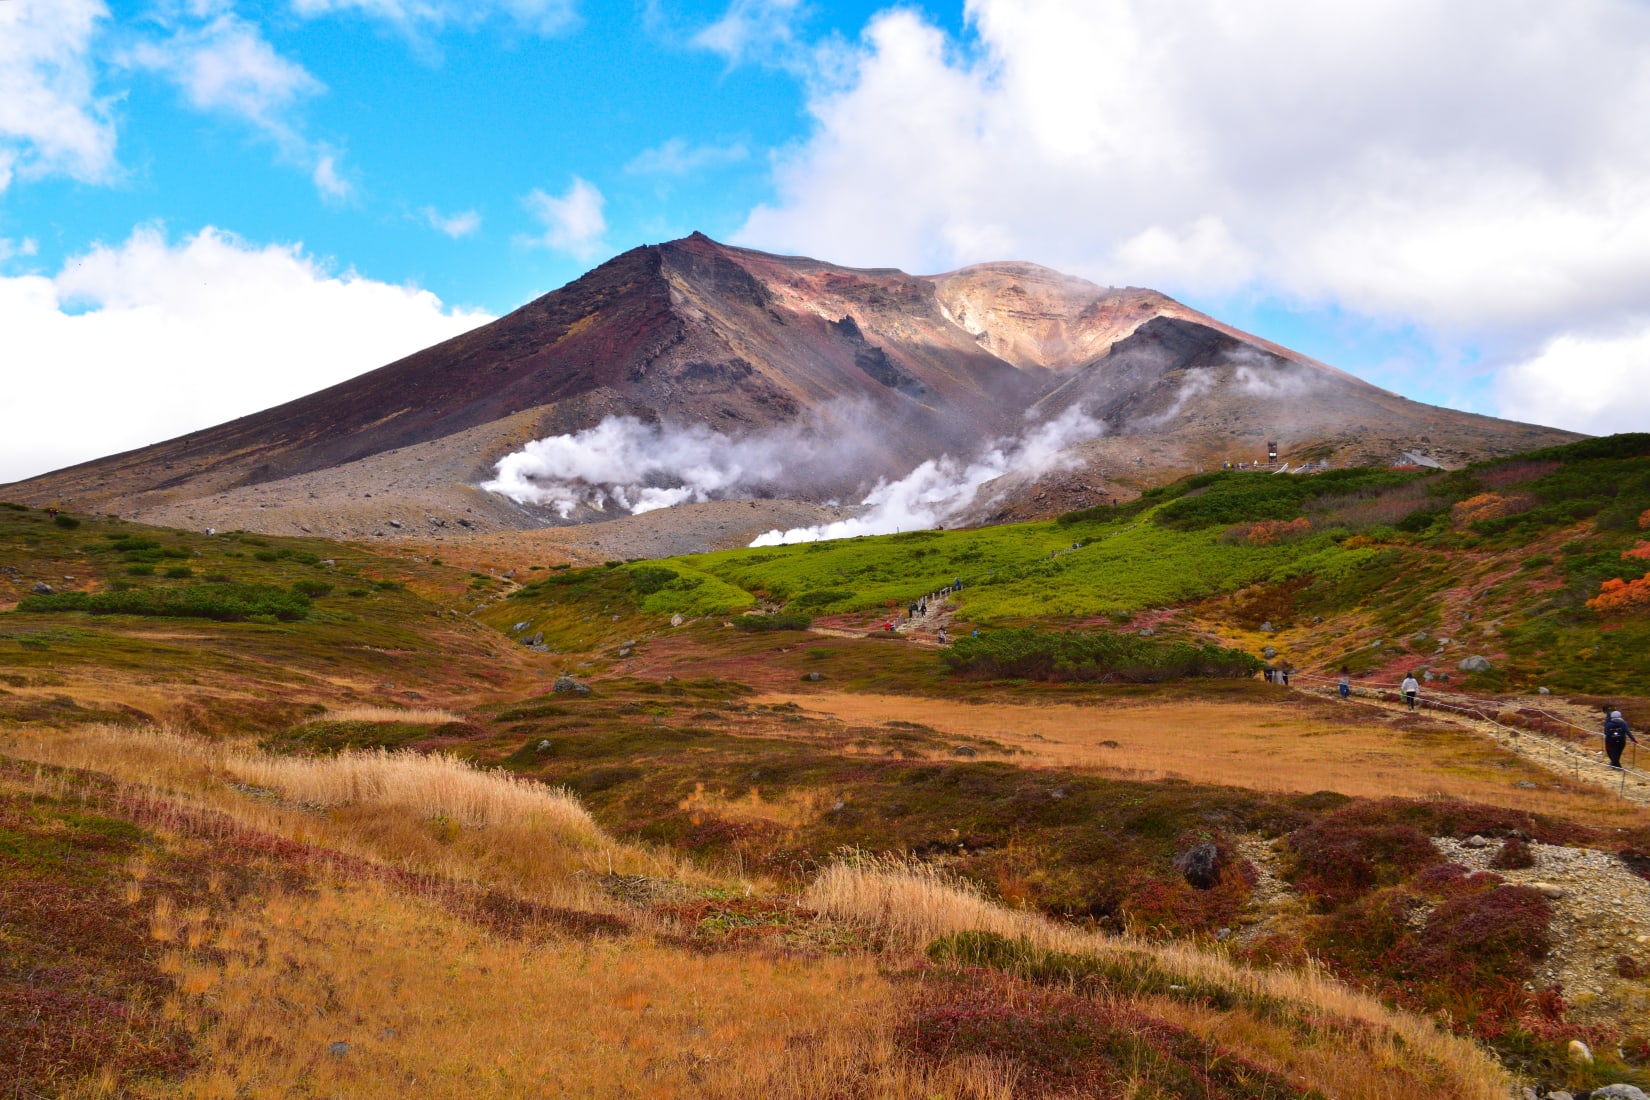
<point>1336,1039</point>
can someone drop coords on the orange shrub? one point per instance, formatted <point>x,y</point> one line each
<point>1640,550</point>
<point>1270,531</point>
<point>1644,518</point>
<point>1620,595</point>
<point>1487,506</point>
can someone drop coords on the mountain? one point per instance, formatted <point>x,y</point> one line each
<point>850,375</point>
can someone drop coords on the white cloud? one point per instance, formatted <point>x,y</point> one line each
<point>1477,169</point>
<point>51,119</point>
<point>461,224</point>
<point>573,222</point>
<point>139,342</point>
<point>10,249</point>
<point>1594,384</point>
<point>753,29</point>
<point>328,181</point>
<point>414,17</point>
<point>676,157</point>
<point>226,65</point>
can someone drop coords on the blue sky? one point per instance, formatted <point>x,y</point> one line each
<point>209,206</point>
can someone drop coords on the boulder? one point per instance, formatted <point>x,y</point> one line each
<point>1199,865</point>
<point>1543,691</point>
<point>1475,663</point>
<point>1548,890</point>
<point>564,685</point>
<point>813,677</point>
<point>536,639</point>
<point>1475,841</point>
<point>1266,628</point>
<point>41,588</point>
<point>1580,1052</point>
<point>1146,632</point>
<point>1269,652</point>
<point>519,627</point>
<point>676,620</point>
<point>1620,1092</point>
<point>625,652</point>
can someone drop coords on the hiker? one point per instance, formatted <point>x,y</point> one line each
<point>1410,687</point>
<point>1616,736</point>
<point>1285,671</point>
<point>1346,683</point>
<point>942,635</point>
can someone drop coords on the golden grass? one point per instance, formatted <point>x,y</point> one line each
<point>432,815</point>
<point>425,716</point>
<point>430,1007</point>
<point>1341,1041</point>
<point>1250,745</point>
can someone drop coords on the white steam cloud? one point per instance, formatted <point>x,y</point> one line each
<point>638,467</point>
<point>944,487</point>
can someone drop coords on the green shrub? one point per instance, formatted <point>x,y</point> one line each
<point>313,589</point>
<point>1030,654</point>
<point>68,522</point>
<point>820,597</point>
<point>228,602</point>
<point>648,579</point>
<point>140,570</point>
<point>179,572</point>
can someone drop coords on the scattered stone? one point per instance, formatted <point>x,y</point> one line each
<point>41,588</point>
<point>1620,1092</point>
<point>625,651</point>
<point>1104,744</point>
<point>1057,793</point>
<point>1476,841</point>
<point>1428,676</point>
<point>508,573</point>
<point>1199,865</point>
<point>338,1050</point>
<point>1146,632</point>
<point>1420,636</point>
<point>1580,1052</point>
<point>1266,627</point>
<point>544,746</point>
<point>813,677</point>
<point>519,627</point>
<point>1548,890</point>
<point>330,563</point>
<point>965,751</point>
<point>1269,652</point>
<point>395,523</point>
<point>676,620</point>
<point>565,684</point>
<point>536,639</point>
<point>837,805</point>
<point>1543,691</point>
<point>1317,620</point>
<point>1222,933</point>
<point>1475,663</point>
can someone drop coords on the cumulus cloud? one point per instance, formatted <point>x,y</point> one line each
<point>52,120</point>
<point>416,17</point>
<point>1593,384</point>
<point>226,65</point>
<point>1476,169</point>
<point>573,222</point>
<point>192,333</point>
<point>762,30</point>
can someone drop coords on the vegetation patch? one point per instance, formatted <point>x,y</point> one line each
<point>1031,654</point>
<point>228,602</point>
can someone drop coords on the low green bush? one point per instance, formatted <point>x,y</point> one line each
<point>227,602</point>
<point>781,620</point>
<point>1030,654</point>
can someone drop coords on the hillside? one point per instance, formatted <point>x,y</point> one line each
<point>1087,851</point>
<point>726,373</point>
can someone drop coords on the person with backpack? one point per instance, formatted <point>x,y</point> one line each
<point>1410,687</point>
<point>1346,683</point>
<point>1616,736</point>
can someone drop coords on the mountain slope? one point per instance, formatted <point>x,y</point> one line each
<point>876,369</point>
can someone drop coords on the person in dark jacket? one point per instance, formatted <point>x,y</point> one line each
<point>1616,736</point>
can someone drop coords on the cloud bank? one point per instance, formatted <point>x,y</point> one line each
<point>192,333</point>
<point>1477,169</point>
<point>51,119</point>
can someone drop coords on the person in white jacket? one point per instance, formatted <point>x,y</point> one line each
<point>1410,687</point>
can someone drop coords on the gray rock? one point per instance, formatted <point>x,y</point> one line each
<point>1057,793</point>
<point>1377,643</point>
<point>1146,632</point>
<point>1428,676</point>
<point>338,1050</point>
<point>395,523</point>
<point>1549,890</point>
<point>1620,1092</point>
<point>1199,865</point>
<point>1525,785</point>
<point>965,751</point>
<point>813,677</point>
<point>1108,744</point>
<point>1475,841</point>
<point>1475,663</point>
<point>1266,628</point>
<point>676,620</point>
<point>625,652</point>
<point>1269,652</point>
<point>1543,691</point>
<point>519,627</point>
<point>566,684</point>
<point>41,588</point>
<point>544,746</point>
<point>536,639</point>
<point>1561,1094</point>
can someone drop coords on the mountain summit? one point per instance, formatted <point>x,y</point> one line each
<point>849,375</point>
